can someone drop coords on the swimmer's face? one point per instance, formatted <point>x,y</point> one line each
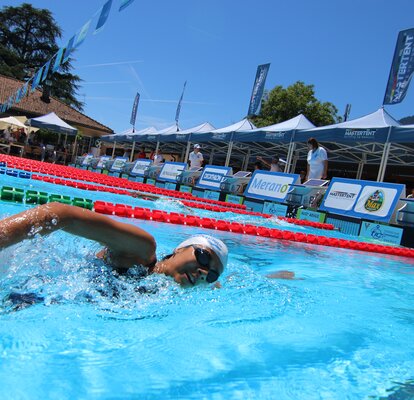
<point>192,265</point>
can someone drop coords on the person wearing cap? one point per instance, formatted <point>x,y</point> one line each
<point>196,158</point>
<point>199,259</point>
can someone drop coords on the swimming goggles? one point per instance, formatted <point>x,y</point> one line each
<point>203,258</point>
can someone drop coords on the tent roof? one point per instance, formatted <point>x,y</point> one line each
<point>377,119</point>
<point>13,121</point>
<point>243,125</point>
<point>52,122</point>
<point>202,128</point>
<point>298,122</point>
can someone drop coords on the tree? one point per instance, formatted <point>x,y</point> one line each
<point>407,120</point>
<point>283,104</point>
<point>27,41</point>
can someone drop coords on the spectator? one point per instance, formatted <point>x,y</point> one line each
<point>196,158</point>
<point>411,195</point>
<point>317,161</point>
<point>273,165</point>
<point>157,157</point>
<point>142,154</point>
<point>258,166</point>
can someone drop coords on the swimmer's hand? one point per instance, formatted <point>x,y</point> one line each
<point>283,275</point>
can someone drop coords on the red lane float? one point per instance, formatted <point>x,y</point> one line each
<point>248,229</point>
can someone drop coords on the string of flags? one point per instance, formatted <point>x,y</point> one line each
<point>63,54</point>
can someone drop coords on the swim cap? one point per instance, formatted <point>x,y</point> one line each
<point>212,243</point>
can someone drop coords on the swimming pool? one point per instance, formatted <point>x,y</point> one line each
<point>342,330</point>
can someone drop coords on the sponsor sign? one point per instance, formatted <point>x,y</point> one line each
<point>270,185</point>
<point>231,198</point>
<point>170,185</point>
<point>212,176</point>
<point>309,215</point>
<point>170,170</point>
<point>275,135</point>
<point>118,164</point>
<point>102,160</point>
<point>87,160</point>
<point>136,179</point>
<point>258,88</point>
<point>209,194</point>
<point>374,201</point>
<point>383,233</point>
<point>150,181</point>
<point>140,166</point>
<point>274,208</point>
<point>360,134</point>
<point>342,195</point>
<point>186,189</point>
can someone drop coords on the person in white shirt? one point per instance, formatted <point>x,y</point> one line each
<point>157,158</point>
<point>317,161</point>
<point>196,158</point>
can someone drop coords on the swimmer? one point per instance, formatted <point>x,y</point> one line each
<point>198,260</point>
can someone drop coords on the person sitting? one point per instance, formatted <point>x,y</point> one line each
<point>273,165</point>
<point>142,153</point>
<point>197,260</point>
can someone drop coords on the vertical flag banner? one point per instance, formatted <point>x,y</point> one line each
<point>134,110</point>
<point>36,79</point>
<point>106,9</point>
<point>58,59</point>
<point>402,68</point>
<point>46,70</point>
<point>258,88</point>
<point>125,4</point>
<point>68,49</point>
<point>19,95</point>
<point>82,34</point>
<point>177,113</point>
<point>24,89</point>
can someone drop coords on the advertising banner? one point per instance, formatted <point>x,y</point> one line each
<point>170,170</point>
<point>402,68</point>
<point>274,209</point>
<point>87,160</point>
<point>102,160</point>
<point>362,199</point>
<point>119,164</point>
<point>140,166</point>
<point>310,215</point>
<point>270,185</point>
<point>258,88</point>
<point>212,176</point>
<point>177,112</point>
<point>134,110</point>
<point>383,233</point>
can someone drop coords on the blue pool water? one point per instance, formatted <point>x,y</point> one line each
<point>343,330</point>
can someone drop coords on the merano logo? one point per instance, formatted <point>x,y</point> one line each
<point>375,201</point>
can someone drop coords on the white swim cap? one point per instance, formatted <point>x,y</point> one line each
<point>212,243</point>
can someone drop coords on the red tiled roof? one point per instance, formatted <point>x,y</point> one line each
<point>33,106</point>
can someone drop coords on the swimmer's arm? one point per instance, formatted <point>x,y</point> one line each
<point>128,244</point>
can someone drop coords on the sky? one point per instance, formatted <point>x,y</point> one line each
<point>343,48</point>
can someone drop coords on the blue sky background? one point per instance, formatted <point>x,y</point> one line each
<point>344,48</point>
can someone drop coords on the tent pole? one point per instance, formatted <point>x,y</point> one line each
<point>66,139</point>
<point>187,152</point>
<point>226,164</point>
<point>384,158</point>
<point>131,157</point>
<point>291,151</point>
<point>210,161</point>
<point>74,150</point>
<point>182,153</point>
<point>361,166</point>
<point>157,146</point>
<point>246,160</point>
<point>113,150</point>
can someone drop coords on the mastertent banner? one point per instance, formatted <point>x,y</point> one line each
<point>170,170</point>
<point>402,68</point>
<point>270,185</point>
<point>369,200</point>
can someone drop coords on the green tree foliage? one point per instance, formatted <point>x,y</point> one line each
<point>28,39</point>
<point>407,120</point>
<point>283,104</point>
